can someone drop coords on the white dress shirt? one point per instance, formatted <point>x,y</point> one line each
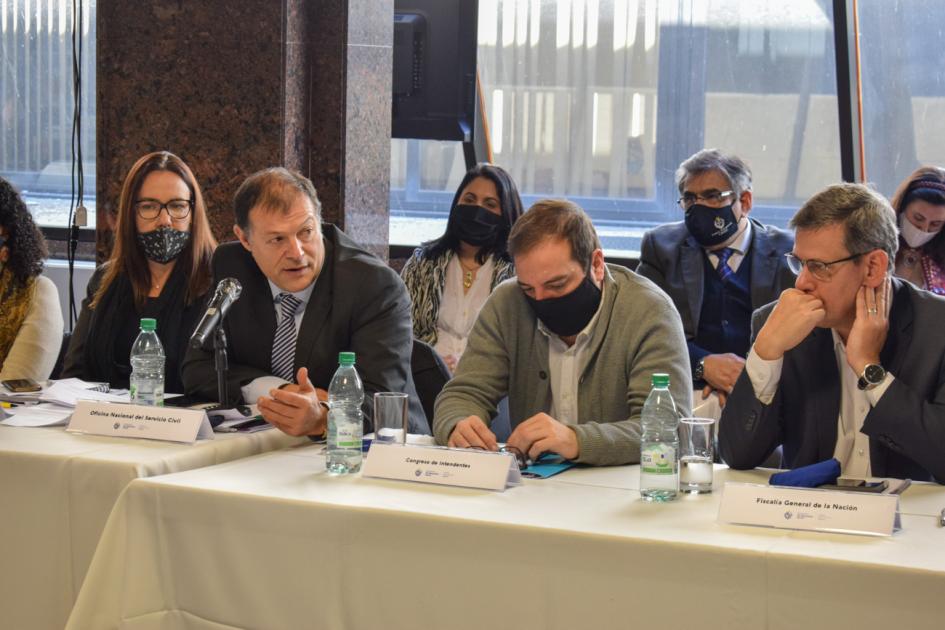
<point>739,245</point>
<point>458,308</point>
<point>853,446</point>
<point>260,386</point>
<point>564,367</point>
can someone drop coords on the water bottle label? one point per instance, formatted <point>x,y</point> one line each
<point>348,436</point>
<point>658,459</point>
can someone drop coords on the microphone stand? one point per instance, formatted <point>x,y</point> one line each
<point>222,365</point>
<point>219,349</point>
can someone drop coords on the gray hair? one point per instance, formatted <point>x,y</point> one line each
<point>732,167</point>
<point>868,220</point>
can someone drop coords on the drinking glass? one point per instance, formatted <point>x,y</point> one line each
<point>390,418</point>
<point>695,455</point>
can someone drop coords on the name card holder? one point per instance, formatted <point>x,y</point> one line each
<point>810,509</point>
<point>140,421</point>
<point>464,468</point>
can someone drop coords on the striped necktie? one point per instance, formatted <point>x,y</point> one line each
<point>283,344</point>
<point>725,272</point>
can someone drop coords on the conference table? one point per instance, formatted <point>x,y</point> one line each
<point>57,490</point>
<point>273,541</point>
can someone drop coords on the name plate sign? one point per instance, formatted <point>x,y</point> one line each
<point>464,468</point>
<point>810,509</point>
<point>140,421</point>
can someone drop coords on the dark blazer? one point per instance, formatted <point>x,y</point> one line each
<point>359,304</point>
<point>907,427</point>
<point>671,257</point>
<point>100,346</point>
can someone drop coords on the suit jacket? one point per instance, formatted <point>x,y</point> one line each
<point>671,257</point>
<point>906,428</point>
<point>359,304</point>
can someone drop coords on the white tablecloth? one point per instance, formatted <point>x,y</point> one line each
<point>56,492</point>
<point>274,542</point>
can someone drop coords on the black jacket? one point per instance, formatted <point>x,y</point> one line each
<point>906,428</point>
<point>359,304</point>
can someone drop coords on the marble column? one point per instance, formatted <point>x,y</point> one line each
<point>234,87</point>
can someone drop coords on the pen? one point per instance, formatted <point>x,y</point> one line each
<point>8,405</point>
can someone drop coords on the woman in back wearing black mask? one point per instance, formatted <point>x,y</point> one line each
<point>450,278</point>
<point>159,268</point>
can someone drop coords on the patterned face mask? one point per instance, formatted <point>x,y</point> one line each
<point>163,244</point>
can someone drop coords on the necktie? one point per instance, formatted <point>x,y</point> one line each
<point>283,344</point>
<point>725,272</point>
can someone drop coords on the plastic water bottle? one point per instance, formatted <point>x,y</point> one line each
<point>659,446</point>
<point>147,366</point>
<point>345,427</point>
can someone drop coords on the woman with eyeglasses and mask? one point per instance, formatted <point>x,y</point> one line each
<point>159,267</point>
<point>919,203</point>
<point>450,278</point>
<point>30,315</point>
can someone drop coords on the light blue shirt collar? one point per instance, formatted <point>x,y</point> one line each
<point>302,295</point>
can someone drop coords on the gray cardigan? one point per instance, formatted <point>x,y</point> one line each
<point>638,332</point>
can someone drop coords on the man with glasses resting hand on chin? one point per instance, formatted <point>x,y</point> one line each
<point>849,364</point>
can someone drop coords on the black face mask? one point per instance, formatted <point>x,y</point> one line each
<point>711,226</point>
<point>163,244</point>
<point>474,224</point>
<point>569,314</point>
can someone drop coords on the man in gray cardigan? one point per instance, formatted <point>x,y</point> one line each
<point>573,343</point>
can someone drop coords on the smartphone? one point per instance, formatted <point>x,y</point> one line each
<point>22,385</point>
<point>858,485</point>
<point>248,425</point>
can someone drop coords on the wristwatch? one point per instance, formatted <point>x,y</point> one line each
<point>699,373</point>
<point>873,374</point>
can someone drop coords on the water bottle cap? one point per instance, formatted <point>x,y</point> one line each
<point>660,380</point>
<point>346,358</point>
<point>148,323</point>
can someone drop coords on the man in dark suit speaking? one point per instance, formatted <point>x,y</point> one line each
<point>849,364</point>
<point>717,266</point>
<point>309,292</point>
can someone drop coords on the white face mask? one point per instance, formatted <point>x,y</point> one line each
<point>913,236</point>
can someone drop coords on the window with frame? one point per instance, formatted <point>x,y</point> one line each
<point>36,104</point>
<point>600,100</point>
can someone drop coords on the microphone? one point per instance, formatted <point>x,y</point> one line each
<point>228,291</point>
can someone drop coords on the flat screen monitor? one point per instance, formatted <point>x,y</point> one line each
<point>434,82</point>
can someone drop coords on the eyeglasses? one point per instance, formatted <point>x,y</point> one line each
<point>710,197</point>
<point>817,268</point>
<point>522,459</point>
<point>151,208</point>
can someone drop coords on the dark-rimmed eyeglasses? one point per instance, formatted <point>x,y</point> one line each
<point>712,198</point>
<point>520,457</point>
<point>151,208</point>
<point>817,268</point>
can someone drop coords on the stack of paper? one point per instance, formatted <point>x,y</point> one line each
<point>56,402</point>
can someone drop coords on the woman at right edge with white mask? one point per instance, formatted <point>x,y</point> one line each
<point>920,205</point>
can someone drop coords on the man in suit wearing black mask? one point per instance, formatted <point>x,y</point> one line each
<point>718,266</point>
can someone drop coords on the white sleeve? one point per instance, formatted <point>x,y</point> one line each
<point>260,387</point>
<point>39,339</point>
<point>873,395</point>
<point>764,375</point>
